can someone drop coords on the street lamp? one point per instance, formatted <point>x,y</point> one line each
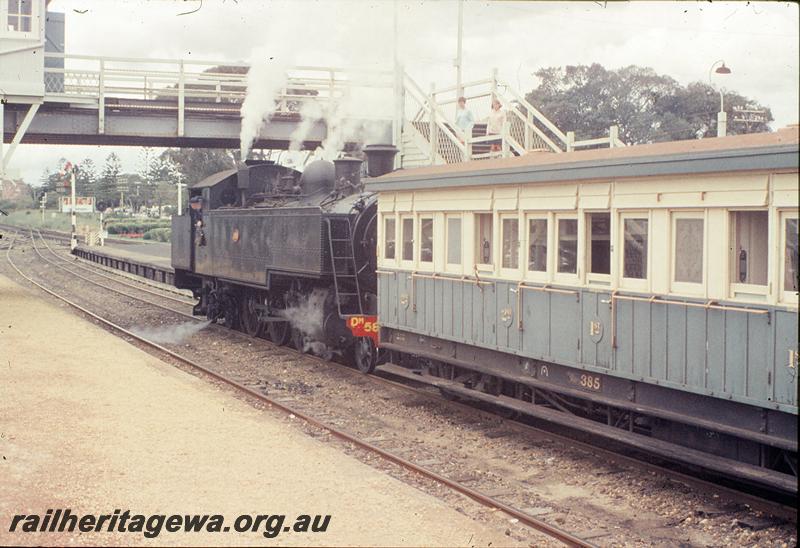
<point>722,116</point>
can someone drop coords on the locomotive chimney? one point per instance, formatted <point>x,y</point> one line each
<point>348,174</point>
<point>380,159</point>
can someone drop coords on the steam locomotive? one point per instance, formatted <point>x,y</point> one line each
<point>287,255</point>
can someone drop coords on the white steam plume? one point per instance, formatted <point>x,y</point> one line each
<point>361,115</point>
<point>170,334</point>
<point>265,80</point>
<point>308,317</point>
<point>311,112</point>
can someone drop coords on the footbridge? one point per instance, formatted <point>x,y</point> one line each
<point>97,100</point>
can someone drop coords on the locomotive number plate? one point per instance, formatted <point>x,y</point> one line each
<point>586,381</point>
<point>364,326</point>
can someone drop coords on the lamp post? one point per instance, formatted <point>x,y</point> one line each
<point>73,241</point>
<point>722,116</point>
<point>69,171</point>
<point>459,89</point>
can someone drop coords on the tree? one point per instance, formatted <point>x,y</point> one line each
<point>647,107</point>
<point>49,180</point>
<point>86,178</point>
<point>152,169</point>
<point>107,194</point>
<point>195,164</point>
<point>131,188</point>
<point>53,183</point>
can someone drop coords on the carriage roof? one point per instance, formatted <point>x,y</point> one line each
<point>776,150</point>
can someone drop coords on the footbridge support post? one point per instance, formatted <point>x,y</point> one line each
<point>5,155</point>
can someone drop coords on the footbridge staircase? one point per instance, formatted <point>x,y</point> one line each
<point>430,136</point>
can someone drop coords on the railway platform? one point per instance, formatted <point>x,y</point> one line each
<point>150,260</point>
<point>91,423</point>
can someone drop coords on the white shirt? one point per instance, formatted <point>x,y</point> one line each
<point>465,120</point>
<point>494,125</point>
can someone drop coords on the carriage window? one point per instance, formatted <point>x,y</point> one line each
<point>790,275</point>
<point>599,248</point>
<point>389,237</point>
<point>635,249</point>
<point>689,250</point>
<point>483,238</point>
<point>510,243</point>
<point>537,245</point>
<point>749,247</point>
<point>408,239</point>
<point>454,240</point>
<point>568,246</point>
<point>20,13</point>
<point>426,240</point>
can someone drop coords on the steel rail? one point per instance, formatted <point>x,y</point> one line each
<point>539,525</point>
<point>126,274</point>
<point>92,267</point>
<point>36,249</point>
<point>104,275</point>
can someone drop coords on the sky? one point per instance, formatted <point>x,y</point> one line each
<point>757,40</point>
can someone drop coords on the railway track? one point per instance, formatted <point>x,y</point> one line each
<point>162,292</point>
<point>481,498</point>
<point>402,378</point>
<point>390,378</point>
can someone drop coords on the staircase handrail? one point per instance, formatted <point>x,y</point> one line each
<point>463,86</point>
<point>511,108</point>
<point>536,114</point>
<point>454,133</point>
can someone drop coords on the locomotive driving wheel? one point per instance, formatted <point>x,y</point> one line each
<point>249,314</point>
<point>365,355</point>
<point>231,308</point>
<point>278,332</point>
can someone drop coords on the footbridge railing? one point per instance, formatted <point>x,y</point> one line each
<point>192,85</point>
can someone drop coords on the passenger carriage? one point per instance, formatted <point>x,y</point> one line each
<point>649,293</point>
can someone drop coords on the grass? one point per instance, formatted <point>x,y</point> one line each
<point>158,234</point>
<point>53,220</point>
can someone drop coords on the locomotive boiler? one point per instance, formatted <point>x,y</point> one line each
<point>287,255</point>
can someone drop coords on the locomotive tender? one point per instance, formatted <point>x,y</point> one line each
<point>647,294</point>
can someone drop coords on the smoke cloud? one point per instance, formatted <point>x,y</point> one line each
<point>172,334</point>
<point>327,41</point>
<point>311,112</point>
<point>265,80</point>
